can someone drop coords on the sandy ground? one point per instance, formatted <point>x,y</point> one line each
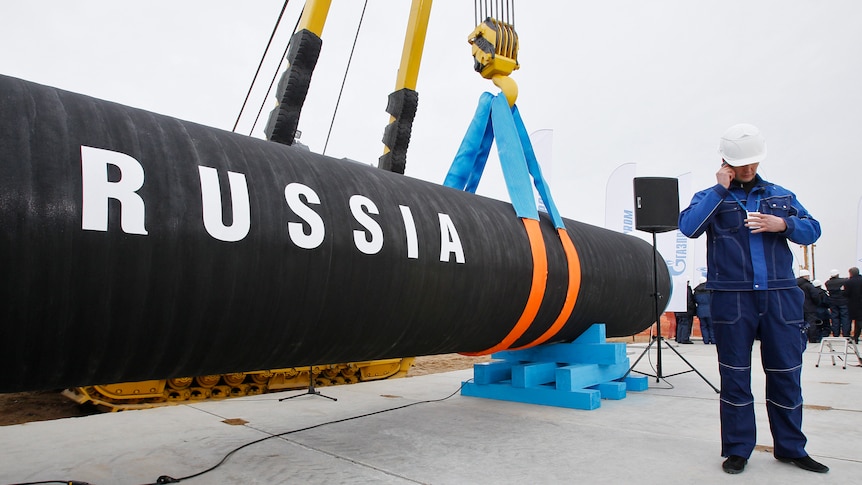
<point>24,407</point>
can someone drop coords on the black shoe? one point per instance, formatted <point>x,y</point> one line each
<point>734,464</point>
<point>687,342</point>
<point>806,463</point>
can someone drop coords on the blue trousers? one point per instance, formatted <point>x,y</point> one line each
<point>840,317</point>
<point>706,330</point>
<point>683,327</point>
<point>774,317</point>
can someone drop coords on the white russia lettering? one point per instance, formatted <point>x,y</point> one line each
<point>97,190</point>
<point>211,195</point>
<point>370,242</point>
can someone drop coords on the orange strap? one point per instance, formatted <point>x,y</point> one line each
<point>574,264</point>
<point>537,289</point>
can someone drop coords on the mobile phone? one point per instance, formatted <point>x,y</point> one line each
<point>725,164</point>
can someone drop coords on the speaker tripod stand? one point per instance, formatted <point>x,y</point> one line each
<point>311,390</point>
<point>657,339</point>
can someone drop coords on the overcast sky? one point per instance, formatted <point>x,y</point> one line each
<point>651,82</point>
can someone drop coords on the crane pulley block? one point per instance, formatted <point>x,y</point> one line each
<point>495,48</point>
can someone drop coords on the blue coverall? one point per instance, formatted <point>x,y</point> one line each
<point>755,296</point>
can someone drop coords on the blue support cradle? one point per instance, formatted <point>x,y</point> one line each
<point>577,375</point>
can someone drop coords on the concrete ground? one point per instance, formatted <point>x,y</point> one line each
<point>421,430</point>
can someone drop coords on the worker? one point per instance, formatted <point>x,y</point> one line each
<point>702,296</point>
<point>748,222</point>
<point>838,312</point>
<point>812,298</point>
<point>853,293</point>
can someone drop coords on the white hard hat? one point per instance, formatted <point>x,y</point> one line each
<point>834,272</point>
<point>742,144</point>
<point>817,283</point>
<point>804,272</point>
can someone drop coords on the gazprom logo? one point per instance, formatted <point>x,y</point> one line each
<point>677,265</point>
<point>628,221</point>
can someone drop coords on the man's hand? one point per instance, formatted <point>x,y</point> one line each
<point>758,222</point>
<point>724,175</point>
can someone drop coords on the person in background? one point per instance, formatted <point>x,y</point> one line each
<point>748,222</point>
<point>853,293</point>
<point>838,315</point>
<point>810,304</point>
<point>684,319</point>
<point>823,326</point>
<point>702,297</point>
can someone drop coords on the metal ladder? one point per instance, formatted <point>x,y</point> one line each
<point>832,346</point>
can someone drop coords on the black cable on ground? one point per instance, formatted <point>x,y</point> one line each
<point>168,479</point>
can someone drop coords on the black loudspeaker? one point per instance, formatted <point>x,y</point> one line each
<point>656,204</point>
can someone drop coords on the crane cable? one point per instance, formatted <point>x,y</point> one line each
<point>502,10</point>
<point>274,76</point>
<point>271,36</point>
<point>278,68</point>
<point>344,79</point>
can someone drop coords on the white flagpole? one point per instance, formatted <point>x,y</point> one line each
<point>619,199</point>
<point>859,234</point>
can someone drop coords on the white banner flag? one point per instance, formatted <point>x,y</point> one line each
<point>619,199</point>
<point>859,234</point>
<point>676,250</point>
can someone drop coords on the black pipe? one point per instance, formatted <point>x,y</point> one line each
<point>110,274</point>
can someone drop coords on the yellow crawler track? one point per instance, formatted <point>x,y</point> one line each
<point>148,394</point>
